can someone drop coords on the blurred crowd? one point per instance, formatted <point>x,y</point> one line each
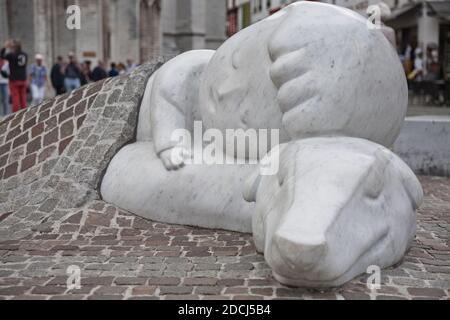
<point>18,79</point>
<point>426,78</point>
<point>21,83</point>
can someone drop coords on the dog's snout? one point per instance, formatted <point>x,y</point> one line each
<point>300,252</point>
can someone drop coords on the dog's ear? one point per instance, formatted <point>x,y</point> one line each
<point>412,185</point>
<point>251,186</point>
<point>375,179</point>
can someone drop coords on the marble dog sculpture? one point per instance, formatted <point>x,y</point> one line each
<point>340,201</point>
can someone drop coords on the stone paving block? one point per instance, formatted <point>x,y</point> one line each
<point>49,290</point>
<point>144,290</point>
<point>109,290</point>
<point>165,290</point>
<point>427,292</point>
<point>130,281</point>
<point>208,290</point>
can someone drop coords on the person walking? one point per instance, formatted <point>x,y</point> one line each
<point>113,72</point>
<point>86,74</point>
<point>72,73</point>
<point>130,66</point>
<point>418,71</point>
<point>122,69</point>
<point>57,76</point>
<point>38,80</point>
<point>4,90</point>
<point>18,60</point>
<point>416,76</point>
<point>99,72</point>
<point>434,67</point>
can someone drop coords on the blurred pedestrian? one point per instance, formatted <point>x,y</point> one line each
<point>38,80</point>
<point>418,71</point>
<point>433,75</point>
<point>86,73</point>
<point>121,68</point>
<point>130,66</point>
<point>99,72</point>
<point>4,88</point>
<point>113,72</point>
<point>434,68</point>
<point>57,76</point>
<point>416,76</point>
<point>72,74</point>
<point>18,60</point>
<point>408,59</point>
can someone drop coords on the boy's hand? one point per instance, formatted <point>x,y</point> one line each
<point>172,159</point>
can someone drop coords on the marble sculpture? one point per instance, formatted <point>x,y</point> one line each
<point>336,92</point>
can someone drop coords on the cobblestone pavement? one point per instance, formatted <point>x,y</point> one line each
<point>52,158</point>
<point>125,257</point>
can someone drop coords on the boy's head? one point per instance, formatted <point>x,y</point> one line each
<point>311,69</point>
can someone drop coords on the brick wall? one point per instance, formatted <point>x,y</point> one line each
<point>52,156</point>
<point>34,135</point>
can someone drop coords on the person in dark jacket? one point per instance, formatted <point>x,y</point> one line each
<point>18,60</point>
<point>113,72</point>
<point>72,74</point>
<point>86,73</point>
<point>57,76</point>
<point>99,72</point>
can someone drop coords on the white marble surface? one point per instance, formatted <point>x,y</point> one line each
<point>337,206</point>
<point>203,196</point>
<point>170,100</point>
<point>337,92</point>
<point>311,69</point>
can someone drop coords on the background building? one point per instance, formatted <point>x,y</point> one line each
<point>242,13</point>
<point>114,30</point>
<point>424,24</point>
<point>417,23</point>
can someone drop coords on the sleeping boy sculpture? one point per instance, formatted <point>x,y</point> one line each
<point>335,91</point>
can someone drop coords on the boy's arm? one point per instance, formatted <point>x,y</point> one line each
<point>167,117</point>
<point>173,99</point>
